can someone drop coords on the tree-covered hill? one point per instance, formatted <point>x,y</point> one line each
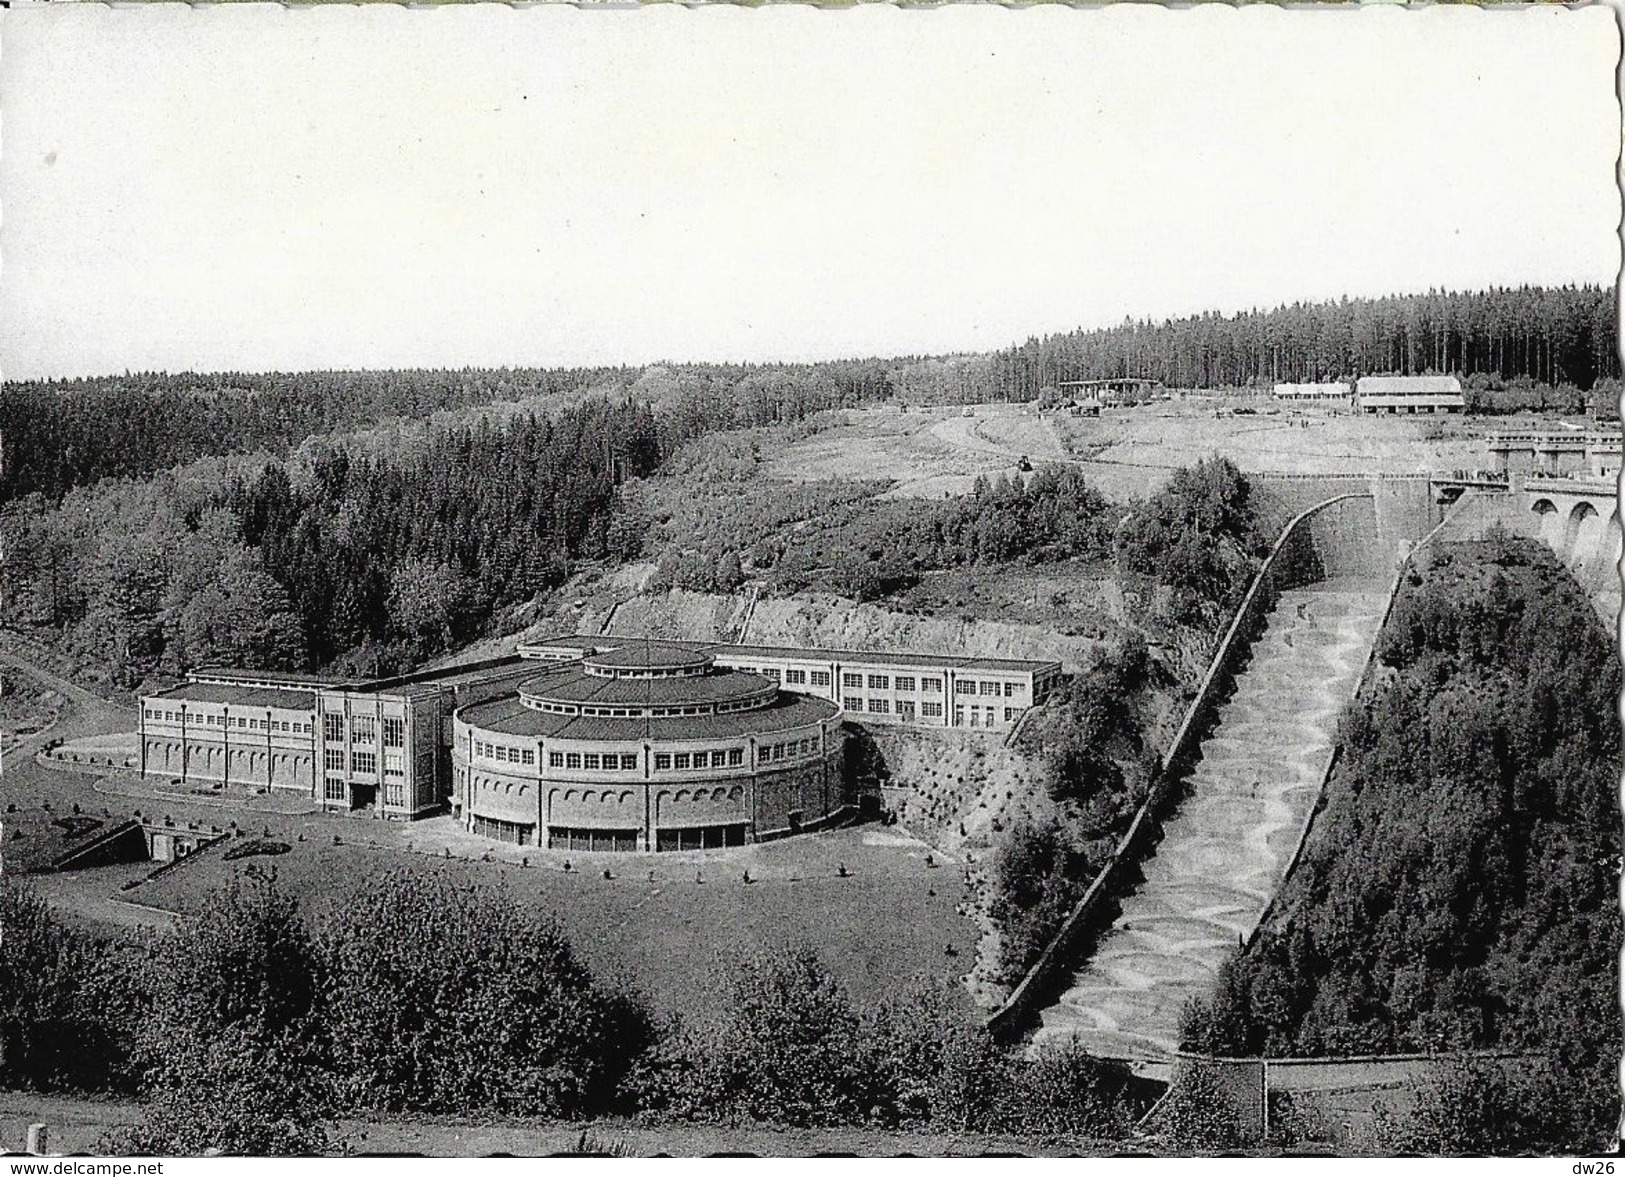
<point>64,433</point>
<point>1460,887</point>
<point>1543,335</point>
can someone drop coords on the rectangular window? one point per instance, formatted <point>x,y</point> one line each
<point>990,688</point>
<point>879,706</point>
<point>1009,715</point>
<point>736,757</point>
<point>394,764</point>
<point>931,710</point>
<point>572,760</point>
<point>976,717</point>
<point>702,760</point>
<point>851,680</point>
<point>771,672</point>
<point>590,760</point>
<point>879,682</point>
<point>629,761</point>
<point>930,684</point>
<point>333,790</point>
<point>253,724</point>
<point>905,682</point>
<point>1009,690</point>
<point>683,759</point>
<point>795,676</point>
<point>820,678</point>
<point>366,762</point>
<point>211,720</point>
<point>852,704</point>
<point>333,726</point>
<point>528,756</point>
<point>363,729</point>
<point>959,717</point>
<point>662,761</point>
<point>555,760</point>
<point>394,732</point>
<point>394,795</point>
<point>965,686</point>
<point>333,759</point>
<point>906,709</point>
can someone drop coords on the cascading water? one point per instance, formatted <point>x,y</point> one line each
<point>1227,848</point>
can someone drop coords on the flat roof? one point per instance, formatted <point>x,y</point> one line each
<point>648,654</point>
<point>812,654</point>
<point>239,675</point>
<point>508,716</point>
<point>567,684</point>
<point>234,695</point>
<point>886,658</point>
<point>1408,385</point>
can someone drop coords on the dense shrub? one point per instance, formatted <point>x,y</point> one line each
<point>68,1007</point>
<point>1198,538</point>
<point>1197,1114</point>
<point>453,998</point>
<point>226,1093</point>
<point>793,1050</point>
<point>1097,772</point>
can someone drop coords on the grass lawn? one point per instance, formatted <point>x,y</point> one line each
<point>880,929</point>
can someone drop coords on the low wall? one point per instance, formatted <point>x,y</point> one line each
<point>1036,987</point>
<point>1250,1086</point>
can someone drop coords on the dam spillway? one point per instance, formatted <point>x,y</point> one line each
<point>1227,848</point>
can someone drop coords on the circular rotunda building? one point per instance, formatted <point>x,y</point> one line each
<point>648,746</point>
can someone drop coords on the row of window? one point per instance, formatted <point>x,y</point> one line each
<point>683,761</point>
<point>333,789</point>
<point>504,753</point>
<point>640,712</point>
<point>905,707</point>
<point>364,729</point>
<point>928,685</point>
<point>233,721</point>
<point>730,758</point>
<point>820,678</point>
<point>905,711</point>
<point>364,762</point>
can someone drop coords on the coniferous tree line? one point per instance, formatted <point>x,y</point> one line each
<point>1549,335</point>
<point>65,433</point>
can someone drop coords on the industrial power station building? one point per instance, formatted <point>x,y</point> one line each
<point>592,743</point>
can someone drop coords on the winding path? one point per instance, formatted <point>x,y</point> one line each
<point>1226,850</point>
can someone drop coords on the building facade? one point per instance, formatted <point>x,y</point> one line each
<point>590,742</point>
<point>1409,395</point>
<point>379,746</point>
<point>931,690</point>
<point>650,746</point>
<point>1336,392</point>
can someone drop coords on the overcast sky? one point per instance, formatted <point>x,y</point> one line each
<point>256,188</point>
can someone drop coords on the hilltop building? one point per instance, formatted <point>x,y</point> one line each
<point>1390,395</point>
<point>1331,392</point>
<point>592,743</point>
